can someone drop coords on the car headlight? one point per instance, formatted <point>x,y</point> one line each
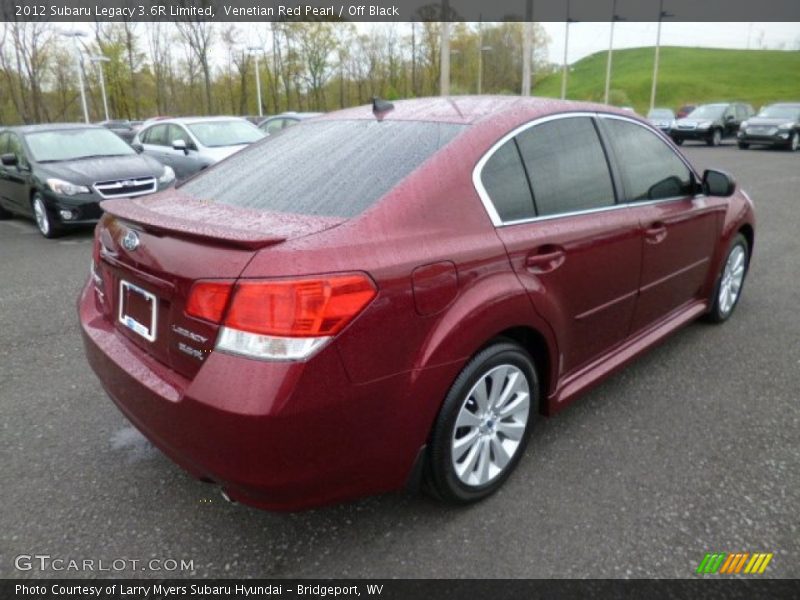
<point>59,186</point>
<point>788,125</point>
<point>167,176</point>
<point>704,125</point>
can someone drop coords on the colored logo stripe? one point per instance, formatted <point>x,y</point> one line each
<point>724,563</point>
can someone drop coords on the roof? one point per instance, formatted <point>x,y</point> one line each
<point>189,120</point>
<point>50,127</point>
<point>468,109</point>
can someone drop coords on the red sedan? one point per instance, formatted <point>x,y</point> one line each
<point>394,293</point>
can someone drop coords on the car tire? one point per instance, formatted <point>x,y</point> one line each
<point>5,214</point>
<point>484,424</point>
<point>715,139</point>
<point>743,145</point>
<point>794,142</point>
<point>44,220</point>
<point>728,288</point>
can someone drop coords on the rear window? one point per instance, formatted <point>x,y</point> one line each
<point>323,168</point>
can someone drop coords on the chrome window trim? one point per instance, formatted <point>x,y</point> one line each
<point>486,200</point>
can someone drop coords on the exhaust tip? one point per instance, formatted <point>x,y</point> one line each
<point>227,498</point>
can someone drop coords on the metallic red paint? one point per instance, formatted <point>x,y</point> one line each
<point>352,419</point>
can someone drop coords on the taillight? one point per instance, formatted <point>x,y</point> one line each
<point>281,319</point>
<point>208,299</point>
<point>299,307</point>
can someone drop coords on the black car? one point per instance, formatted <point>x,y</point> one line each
<point>122,127</point>
<point>776,125</point>
<point>59,174</point>
<point>711,123</point>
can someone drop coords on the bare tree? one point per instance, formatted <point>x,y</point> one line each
<point>199,36</point>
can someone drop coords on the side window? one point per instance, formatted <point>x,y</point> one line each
<point>741,112</point>
<point>4,142</point>
<point>650,169</point>
<point>567,166</point>
<point>176,132</point>
<point>729,112</point>
<point>504,179</point>
<point>157,135</point>
<point>274,126</point>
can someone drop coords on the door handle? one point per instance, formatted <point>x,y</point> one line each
<point>655,233</point>
<point>545,259</point>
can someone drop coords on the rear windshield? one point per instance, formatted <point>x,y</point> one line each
<point>323,168</point>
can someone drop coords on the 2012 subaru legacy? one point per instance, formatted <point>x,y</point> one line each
<point>399,293</point>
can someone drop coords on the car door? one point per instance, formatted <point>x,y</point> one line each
<point>574,249</point>
<point>678,227</point>
<point>5,199</point>
<point>155,142</point>
<point>17,178</point>
<point>184,163</point>
<point>730,121</point>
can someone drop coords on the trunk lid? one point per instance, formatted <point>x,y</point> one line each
<point>149,252</point>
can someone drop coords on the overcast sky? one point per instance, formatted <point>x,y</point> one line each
<point>588,37</point>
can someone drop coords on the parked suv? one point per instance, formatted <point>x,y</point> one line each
<point>776,125</point>
<point>711,123</point>
<point>301,326</point>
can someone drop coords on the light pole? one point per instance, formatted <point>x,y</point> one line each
<point>662,14</point>
<point>444,57</point>
<point>480,66</point>
<point>527,48</point>
<point>255,50</point>
<point>102,59</point>
<point>75,34</point>
<point>566,48</point>
<point>614,18</point>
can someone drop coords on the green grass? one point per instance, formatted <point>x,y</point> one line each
<point>685,76</point>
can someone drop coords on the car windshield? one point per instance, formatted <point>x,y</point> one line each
<point>75,144</point>
<point>296,172</point>
<point>225,133</point>
<point>781,112</point>
<point>660,113</point>
<point>708,111</point>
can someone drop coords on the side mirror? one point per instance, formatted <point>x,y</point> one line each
<point>138,148</point>
<point>9,160</point>
<point>180,145</point>
<point>718,183</point>
<point>729,117</point>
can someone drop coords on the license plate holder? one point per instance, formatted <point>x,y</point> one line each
<point>138,310</point>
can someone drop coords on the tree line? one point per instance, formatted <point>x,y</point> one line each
<point>203,68</point>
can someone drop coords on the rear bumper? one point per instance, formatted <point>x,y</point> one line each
<point>279,436</point>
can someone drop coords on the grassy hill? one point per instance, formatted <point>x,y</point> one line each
<point>685,75</point>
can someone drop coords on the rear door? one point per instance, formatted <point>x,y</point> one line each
<point>678,228</point>
<point>574,249</point>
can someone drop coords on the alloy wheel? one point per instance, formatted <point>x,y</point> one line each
<point>42,219</point>
<point>732,278</point>
<point>490,425</point>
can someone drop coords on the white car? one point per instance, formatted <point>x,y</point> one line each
<point>190,144</point>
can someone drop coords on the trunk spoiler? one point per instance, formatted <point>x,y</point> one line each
<point>182,215</point>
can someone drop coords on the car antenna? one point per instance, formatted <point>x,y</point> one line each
<point>380,106</point>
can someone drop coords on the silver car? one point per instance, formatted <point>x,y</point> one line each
<point>190,144</point>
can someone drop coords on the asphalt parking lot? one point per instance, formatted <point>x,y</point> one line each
<point>695,448</point>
